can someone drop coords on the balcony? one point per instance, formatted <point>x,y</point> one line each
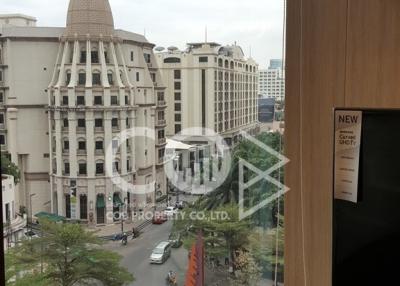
<point>161,141</point>
<point>161,103</point>
<point>161,122</point>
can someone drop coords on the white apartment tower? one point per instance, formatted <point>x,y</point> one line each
<point>94,82</point>
<point>272,81</point>
<point>210,86</point>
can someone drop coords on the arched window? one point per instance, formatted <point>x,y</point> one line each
<point>96,77</point>
<point>110,76</point>
<point>100,209</point>
<point>67,77</point>
<point>81,77</point>
<point>172,60</point>
<point>82,168</point>
<point>83,206</point>
<point>226,64</point>
<point>81,145</point>
<point>220,63</point>
<point>232,66</point>
<point>99,168</point>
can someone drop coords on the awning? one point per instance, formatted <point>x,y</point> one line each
<point>100,202</point>
<point>176,145</point>
<point>50,217</point>
<point>117,200</point>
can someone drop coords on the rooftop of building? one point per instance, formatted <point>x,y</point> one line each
<point>57,32</point>
<point>20,16</point>
<point>208,48</point>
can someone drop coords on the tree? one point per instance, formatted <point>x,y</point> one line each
<point>9,168</point>
<point>224,233</point>
<point>66,255</point>
<point>248,272</point>
<point>228,192</point>
<point>267,250</point>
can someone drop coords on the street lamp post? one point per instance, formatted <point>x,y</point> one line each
<point>30,206</point>
<point>121,215</point>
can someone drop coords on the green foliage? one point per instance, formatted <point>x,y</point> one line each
<point>228,192</point>
<point>248,272</point>
<point>262,244</point>
<point>66,255</point>
<point>9,168</point>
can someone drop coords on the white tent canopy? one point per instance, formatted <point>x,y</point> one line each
<point>176,145</point>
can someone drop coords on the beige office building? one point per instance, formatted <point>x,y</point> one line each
<point>66,93</point>
<point>210,86</point>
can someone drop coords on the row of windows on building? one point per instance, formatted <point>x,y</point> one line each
<point>99,168</point>
<point>97,78</point>
<point>177,101</point>
<point>98,123</point>
<point>221,63</point>
<point>97,100</point>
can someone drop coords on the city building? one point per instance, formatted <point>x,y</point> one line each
<point>13,223</point>
<point>210,86</point>
<point>17,20</point>
<point>266,110</point>
<point>272,81</point>
<point>63,107</point>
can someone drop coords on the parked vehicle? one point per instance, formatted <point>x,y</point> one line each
<point>175,239</point>
<point>159,218</point>
<point>30,234</point>
<point>170,211</point>
<point>124,239</point>
<point>180,205</point>
<point>161,253</point>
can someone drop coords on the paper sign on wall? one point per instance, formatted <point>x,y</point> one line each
<point>347,154</point>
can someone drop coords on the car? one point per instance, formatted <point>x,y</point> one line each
<point>180,204</point>
<point>170,211</point>
<point>161,253</point>
<point>30,234</point>
<point>175,239</point>
<point>159,218</point>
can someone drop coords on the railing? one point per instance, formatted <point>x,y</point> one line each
<point>161,122</point>
<point>161,141</point>
<point>161,103</point>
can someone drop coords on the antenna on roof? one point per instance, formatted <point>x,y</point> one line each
<point>206,35</point>
<point>250,52</point>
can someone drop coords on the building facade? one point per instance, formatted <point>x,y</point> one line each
<point>67,104</point>
<point>272,81</point>
<point>13,223</point>
<point>210,86</point>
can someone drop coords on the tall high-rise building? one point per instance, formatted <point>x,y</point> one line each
<point>210,86</point>
<point>272,81</point>
<point>66,94</point>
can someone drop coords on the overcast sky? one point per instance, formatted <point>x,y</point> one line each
<point>252,23</point>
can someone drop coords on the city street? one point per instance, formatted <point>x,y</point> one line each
<point>136,257</point>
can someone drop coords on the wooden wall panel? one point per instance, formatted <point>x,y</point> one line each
<point>316,44</point>
<point>373,54</point>
<point>340,53</point>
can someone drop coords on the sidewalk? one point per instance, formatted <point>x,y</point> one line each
<point>114,228</point>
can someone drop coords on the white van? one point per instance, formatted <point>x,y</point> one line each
<point>161,253</point>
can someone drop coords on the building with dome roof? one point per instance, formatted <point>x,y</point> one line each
<point>65,96</point>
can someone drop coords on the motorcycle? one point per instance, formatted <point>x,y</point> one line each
<point>171,279</point>
<point>124,239</point>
